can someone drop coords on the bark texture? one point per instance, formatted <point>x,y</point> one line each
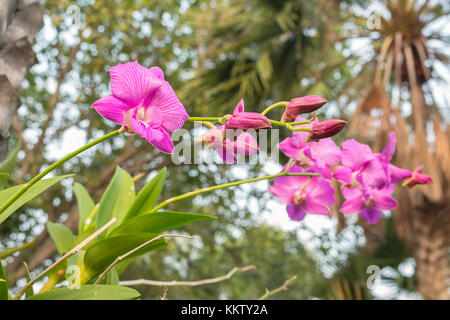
<point>19,22</point>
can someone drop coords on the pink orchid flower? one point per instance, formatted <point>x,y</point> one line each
<point>370,202</point>
<point>144,103</point>
<point>303,194</point>
<point>359,160</point>
<point>216,139</point>
<point>320,155</point>
<point>374,168</point>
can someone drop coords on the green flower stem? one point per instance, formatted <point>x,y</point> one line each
<point>275,105</point>
<point>227,185</point>
<point>289,126</point>
<point>58,163</point>
<point>286,125</point>
<point>299,122</point>
<point>192,119</point>
<point>298,128</point>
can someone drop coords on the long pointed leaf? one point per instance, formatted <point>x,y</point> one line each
<point>158,222</point>
<point>61,236</point>
<point>116,200</point>
<point>30,292</point>
<point>148,196</point>
<point>7,252</point>
<point>85,204</point>
<point>89,292</point>
<point>31,193</point>
<point>3,284</point>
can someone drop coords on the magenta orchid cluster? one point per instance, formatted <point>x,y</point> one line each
<point>144,103</point>
<point>366,179</point>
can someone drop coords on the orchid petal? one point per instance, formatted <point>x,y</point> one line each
<point>294,182</point>
<point>397,174</point>
<point>350,193</point>
<point>374,174</point>
<point>132,83</point>
<point>173,113</point>
<point>240,107</point>
<point>321,191</point>
<point>389,149</point>
<point>372,215</point>
<point>288,149</point>
<point>246,144</point>
<point>313,206</point>
<point>282,192</point>
<point>353,205</point>
<point>157,72</point>
<point>355,154</point>
<point>343,174</point>
<point>295,212</point>
<point>112,109</point>
<point>161,139</point>
<point>383,201</point>
<point>327,150</point>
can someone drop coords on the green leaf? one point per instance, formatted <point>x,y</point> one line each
<point>112,277</point>
<point>89,292</point>
<point>101,254</point>
<point>30,292</point>
<point>148,196</point>
<point>7,252</point>
<point>3,284</point>
<point>85,204</point>
<point>117,199</point>
<point>31,193</point>
<point>61,236</point>
<point>158,222</point>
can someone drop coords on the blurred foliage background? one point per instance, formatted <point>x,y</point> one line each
<point>213,53</point>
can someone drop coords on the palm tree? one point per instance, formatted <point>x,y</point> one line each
<point>264,49</point>
<point>19,21</point>
<point>402,68</point>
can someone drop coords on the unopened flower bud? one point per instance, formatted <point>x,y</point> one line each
<point>214,137</point>
<point>302,105</point>
<point>248,120</point>
<point>418,178</point>
<point>245,144</point>
<point>325,129</point>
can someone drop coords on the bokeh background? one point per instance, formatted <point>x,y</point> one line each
<point>382,65</point>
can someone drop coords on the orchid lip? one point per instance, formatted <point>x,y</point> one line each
<point>299,197</point>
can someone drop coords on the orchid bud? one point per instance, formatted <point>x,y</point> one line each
<point>418,178</point>
<point>302,105</point>
<point>245,144</point>
<point>325,129</point>
<point>214,137</point>
<point>248,120</point>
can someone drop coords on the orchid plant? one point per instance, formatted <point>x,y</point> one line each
<point>124,224</point>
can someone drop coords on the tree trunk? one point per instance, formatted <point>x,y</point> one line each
<point>19,22</point>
